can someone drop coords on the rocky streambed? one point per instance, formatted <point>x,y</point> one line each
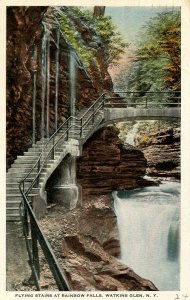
<point>86,243</point>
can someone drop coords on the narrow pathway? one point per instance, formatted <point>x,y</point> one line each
<point>16,257</point>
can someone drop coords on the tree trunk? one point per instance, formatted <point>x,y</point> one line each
<point>99,11</point>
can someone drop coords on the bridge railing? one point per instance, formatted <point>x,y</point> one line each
<point>145,99</point>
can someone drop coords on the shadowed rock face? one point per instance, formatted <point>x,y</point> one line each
<point>162,151</point>
<point>24,29</point>
<point>107,165</point>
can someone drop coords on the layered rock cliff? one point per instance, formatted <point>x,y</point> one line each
<point>162,152</point>
<point>107,165</point>
<point>23,28</point>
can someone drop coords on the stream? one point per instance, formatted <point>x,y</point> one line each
<point>148,222</point>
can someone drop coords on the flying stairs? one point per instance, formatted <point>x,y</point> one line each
<point>30,172</point>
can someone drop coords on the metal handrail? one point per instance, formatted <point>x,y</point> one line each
<point>38,236</point>
<point>147,92</point>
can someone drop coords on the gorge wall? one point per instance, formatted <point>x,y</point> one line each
<point>32,34</point>
<point>161,149</point>
<point>107,165</point>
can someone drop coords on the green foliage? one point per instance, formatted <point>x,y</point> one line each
<point>157,61</point>
<point>145,129</point>
<point>111,39</point>
<point>74,39</point>
<point>102,31</point>
<point>143,140</point>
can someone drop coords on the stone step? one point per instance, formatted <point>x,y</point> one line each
<point>30,165</point>
<point>32,154</point>
<point>25,160</point>
<point>21,169</point>
<point>18,195</point>
<point>37,150</point>
<point>12,203</point>
<point>13,197</point>
<point>44,146</point>
<point>39,147</point>
<point>42,141</point>
<point>13,185</point>
<point>13,217</point>
<point>22,176</point>
<point>12,211</point>
<point>16,190</point>
<point>23,165</point>
<point>25,169</point>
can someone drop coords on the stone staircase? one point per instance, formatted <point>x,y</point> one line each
<point>23,164</point>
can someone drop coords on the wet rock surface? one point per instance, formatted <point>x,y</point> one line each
<point>86,244</point>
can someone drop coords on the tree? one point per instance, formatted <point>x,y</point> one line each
<point>156,65</point>
<point>101,32</point>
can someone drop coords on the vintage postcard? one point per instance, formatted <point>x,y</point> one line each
<point>95,149</point>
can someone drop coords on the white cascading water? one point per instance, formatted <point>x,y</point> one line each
<point>130,138</point>
<point>44,55</point>
<point>72,81</point>
<point>148,222</point>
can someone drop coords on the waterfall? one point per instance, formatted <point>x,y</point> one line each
<point>34,76</point>
<point>47,85</point>
<point>45,65</point>
<point>130,138</point>
<point>56,77</point>
<point>72,81</point>
<point>148,222</point>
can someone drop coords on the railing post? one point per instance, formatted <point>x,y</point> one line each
<point>81,127</point>
<point>35,276</point>
<point>67,130</point>
<point>93,114</point>
<point>103,102</point>
<point>38,165</point>
<point>25,220</point>
<point>38,170</point>
<point>53,152</point>
<point>146,103</point>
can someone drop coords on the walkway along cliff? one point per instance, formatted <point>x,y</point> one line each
<point>55,107</point>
